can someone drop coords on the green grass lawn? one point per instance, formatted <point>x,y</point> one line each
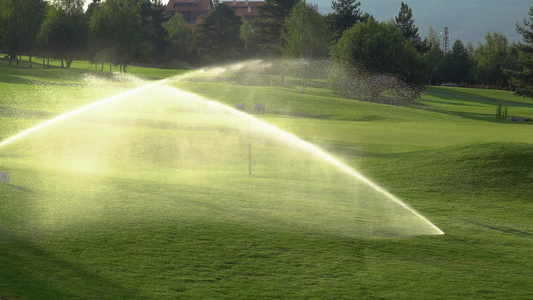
<point>149,196</point>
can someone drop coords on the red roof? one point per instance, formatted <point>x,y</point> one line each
<point>189,5</point>
<point>244,8</point>
<point>191,10</point>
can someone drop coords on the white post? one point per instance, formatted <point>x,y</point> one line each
<point>249,146</point>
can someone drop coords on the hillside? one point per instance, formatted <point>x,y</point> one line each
<point>148,194</point>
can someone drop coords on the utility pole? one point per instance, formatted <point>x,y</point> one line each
<point>446,39</point>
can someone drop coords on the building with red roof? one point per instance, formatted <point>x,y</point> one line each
<point>194,10</point>
<point>191,10</point>
<point>246,9</point>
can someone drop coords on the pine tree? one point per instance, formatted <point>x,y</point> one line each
<point>217,35</point>
<point>346,13</point>
<point>523,79</point>
<point>268,25</point>
<point>405,22</point>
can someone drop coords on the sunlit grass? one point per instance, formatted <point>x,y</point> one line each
<point>123,208</point>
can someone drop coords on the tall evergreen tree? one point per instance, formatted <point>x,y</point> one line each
<point>217,35</point>
<point>523,79</point>
<point>405,22</point>
<point>269,23</point>
<point>346,13</point>
<point>153,36</point>
<point>456,64</point>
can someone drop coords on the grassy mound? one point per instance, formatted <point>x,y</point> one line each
<point>121,209</point>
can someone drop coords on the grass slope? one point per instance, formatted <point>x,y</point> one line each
<point>120,235</point>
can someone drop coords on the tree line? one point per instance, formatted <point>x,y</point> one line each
<point>126,32</point>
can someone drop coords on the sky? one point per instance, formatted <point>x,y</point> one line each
<point>470,20</point>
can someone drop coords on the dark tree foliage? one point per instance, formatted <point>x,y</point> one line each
<point>461,61</point>
<point>456,64</point>
<point>19,25</point>
<point>381,48</point>
<point>305,34</point>
<point>180,38</point>
<point>433,55</point>
<point>153,35</point>
<point>346,13</point>
<point>268,25</point>
<point>491,59</point>
<point>405,22</point>
<point>63,33</point>
<point>217,35</point>
<point>523,79</point>
<point>115,33</point>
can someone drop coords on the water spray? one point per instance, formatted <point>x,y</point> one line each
<point>79,111</point>
<point>275,132</point>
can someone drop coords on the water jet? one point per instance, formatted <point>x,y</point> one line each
<point>170,147</point>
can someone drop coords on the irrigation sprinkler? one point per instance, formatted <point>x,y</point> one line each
<point>259,108</point>
<point>4,177</point>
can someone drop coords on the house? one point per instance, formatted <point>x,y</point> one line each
<point>246,9</point>
<point>191,10</point>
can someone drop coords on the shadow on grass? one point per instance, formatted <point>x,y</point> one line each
<point>504,229</point>
<point>20,113</point>
<point>30,272</point>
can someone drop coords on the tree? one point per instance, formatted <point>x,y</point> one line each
<point>380,51</point>
<point>19,25</point>
<point>461,62</point>
<point>346,13</point>
<point>250,46</point>
<point>268,25</point>
<point>380,48</point>
<point>115,33</point>
<point>63,32</point>
<point>405,22</point>
<point>180,38</point>
<point>305,34</point>
<point>70,7</point>
<point>218,35</point>
<point>491,58</point>
<point>153,35</point>
<point>434,55</point>
<point>523,79</point>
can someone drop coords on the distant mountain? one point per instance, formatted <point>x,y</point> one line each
<point>470,20</point>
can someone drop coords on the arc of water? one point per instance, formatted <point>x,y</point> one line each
<point>299,143</point>
<point>317,151</point>
<point>306,146</point>
<point>77,111</point>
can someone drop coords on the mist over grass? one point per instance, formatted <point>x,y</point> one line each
<point>161,134</point>
<point>151,197</point>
